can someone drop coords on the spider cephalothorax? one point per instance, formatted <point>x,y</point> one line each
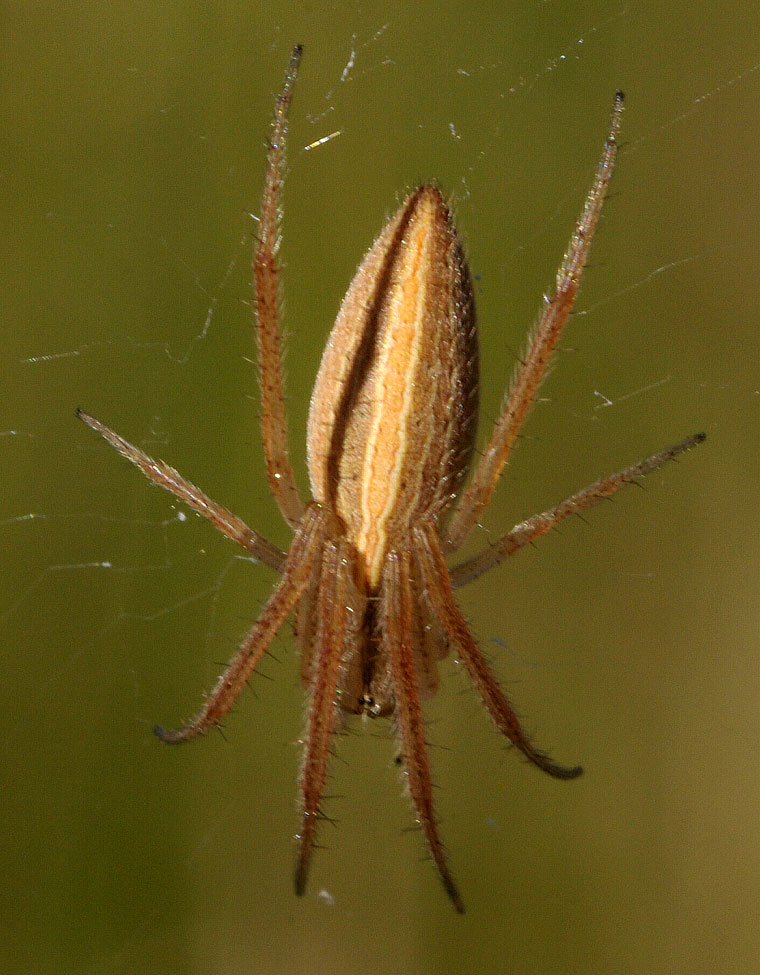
<point>390,436</point>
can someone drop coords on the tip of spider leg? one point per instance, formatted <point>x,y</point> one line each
<point>548,765</point>
<point>564,772</point>
<point>90,421</point>
<point>454,897</point>
<point>299,879</point>
<point>168,736</point>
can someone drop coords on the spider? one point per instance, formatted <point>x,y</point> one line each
<point>390,437</point>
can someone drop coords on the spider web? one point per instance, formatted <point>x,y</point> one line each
<point>119,603</point>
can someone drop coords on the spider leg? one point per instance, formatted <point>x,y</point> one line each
<point>332,645</point>
<point>295,577</point>
<point>532,370</point>
<point>397,630</point>
<point>428,550</point>
<point>538,525</point>
<point>266,271</point>
<point>166,477</point>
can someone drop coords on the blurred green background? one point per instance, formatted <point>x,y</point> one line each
<point>132,155</point>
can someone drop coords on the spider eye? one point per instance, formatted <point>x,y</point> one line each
<point>370,707</point>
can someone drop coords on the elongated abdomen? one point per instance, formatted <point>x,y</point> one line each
<point>394,407</point>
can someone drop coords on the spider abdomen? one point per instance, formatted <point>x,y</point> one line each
<point>394,407</point>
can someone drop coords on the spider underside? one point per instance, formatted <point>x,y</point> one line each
<point>374,599</point>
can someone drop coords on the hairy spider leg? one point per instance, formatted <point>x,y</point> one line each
<point>397,636</point>
<point>266,273</point>
<point>303,551</point>
<point>527,531</point>
<point>427,548</point>
<point>532,370</point>
<point>166,477</point>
